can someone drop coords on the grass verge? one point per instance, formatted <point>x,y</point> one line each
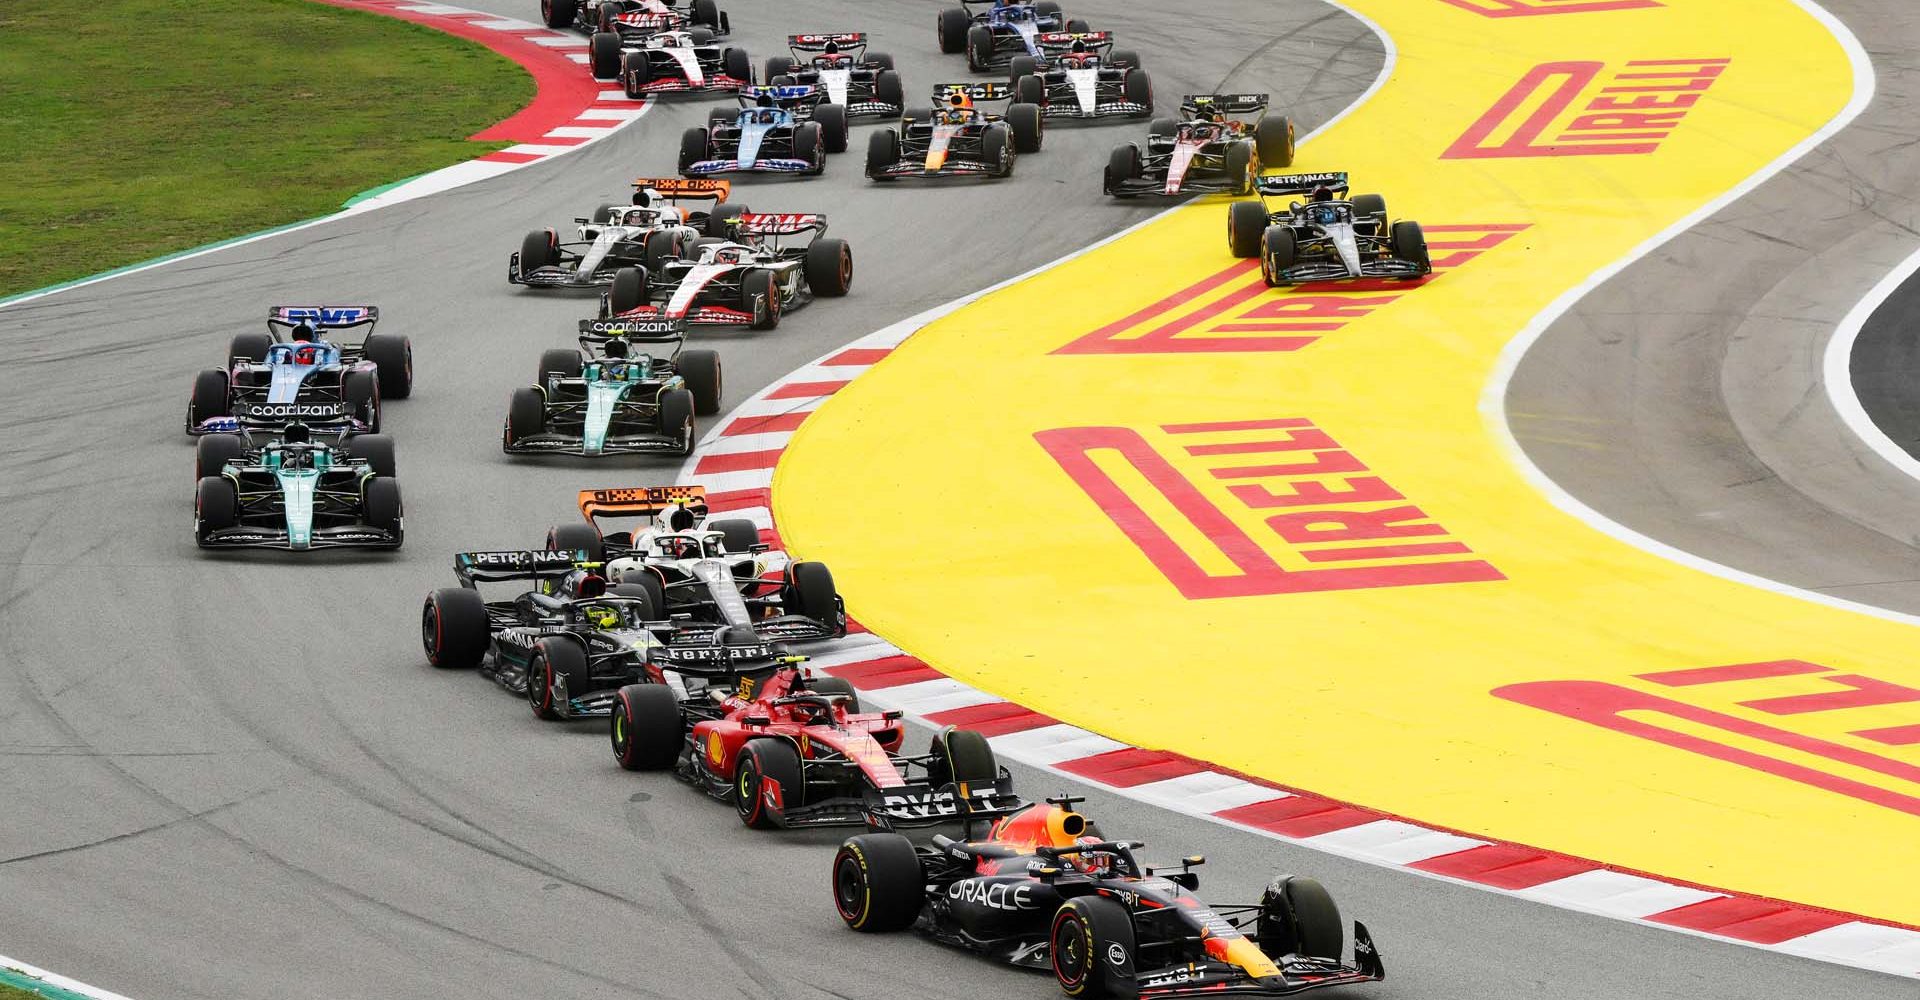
<point>135,128</point>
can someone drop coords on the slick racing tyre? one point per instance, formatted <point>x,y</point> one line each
<point>829,267</point>
<point>953,25</point>
<point>693,149</point>
<point>1020,66</point>
<point>561,361</point>
<point>393,358</point>
<point>1137,87</point>
<point>1162,127</point>
<point>888,88</point>
<point>604,55</point>
<point>1297,917</point>
<point>1029,129</point>
<point>737,533</point>
<point>382,504</point>
<point>555,660</point>
<point>878,885</point>
<point>810,592</point>
<point>1410,244</point>
<point>706,12</point>
<point>629,291</point>
<point>577,536</point>
<point>1278,252</point>
<point>779,66</point>
<point>832,119</point>
<point>526,414</point>
<point>661,245</point>
<point>559,13</point>
<point>644,608</point>
<point>647,730</point>
<point>961,755</point>
<point>1093,948</point>
<point>737,64</point>
<point>701,370</point>
<point>648,579</point>
<point>453,628</point>
<point>377,450</point>
<point>979,48</point>
<point>606,215</point>
<point>251,346</point>
<point>1240,168</point>
<point>1123,164</point>
<point>676,418</point>
<point>837,685</point>
<point>1246,220</point>
<point>360,390</point>
<point>216,505</point>
<point>210,397</point>
<point>996,147</point>
<point>1274,138</point>
<point>1078,26</point>
<point>1369,206</point>
<point>762,761</point>
<point>760,298</point>
<point>212,453</point>
<point>719,117</point>
<point>810,144</point>
<point>883,152</point>
<point>536,250</point>
<point>635,73</point>
<point>720,216</point>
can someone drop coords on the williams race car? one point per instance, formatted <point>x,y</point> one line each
<point>777,129</point>
<point>652,229</point>
<point>862,82</point>
<point>956,139</point>
<point>636,18</point>
<point>991,32</point>
<point>1045,890</point>
<point>750,280</point>
<point>1082,76</point>
<point>1221,144</point>
<point>296,493</point>
<point>270,382</point>
<point>669,62</point>
<point>1327,237</point>
<point>604,399</point>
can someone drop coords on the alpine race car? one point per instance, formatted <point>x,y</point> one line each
<point>295,493</point>
<point>1082,76</point>
<point>643,234</point>
<point>1327,237</point>
<point>864,83</point>
<point>991,32</point>
<point>749,280</point>
<point>777,130</point>
<point>271,381</point>
<point>1044,890</point>
<point>1221,144</point>
<point>792,750</point>
<point>669,62</point>
<point>956,139</point>
<point>604,399</point>
<point>636,18</point>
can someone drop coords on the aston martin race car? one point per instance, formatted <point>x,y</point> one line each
<point>991,32</point>
<point>669,62</point>
<point>1043,889</point>
<point>295,493</point>
<point>865,83</point>
<point>750,280</point>
<point>1221,144</point>
<point>636,18</point>
<point>1083,77</point>
<point>653,228</point>
<point>1327,237</point>
<point>606,399</point>
<point>777,130</point>
<point>956,139</point>
<point>291,374</point>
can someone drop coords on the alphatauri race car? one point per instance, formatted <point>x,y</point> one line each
<point>296,493</point>
<point>290,374</point>
<point>610,398</point>
<point>1328,237</point>
<point>1082,77</point>
<point>991,32</point>
<point>636,19</point>
<point>777,130</point>
<point>669,62</point>
<point>1220,145</point>
<point>1044,890</point>
<point>652,229</point>
<point>956,139</point>
<point>865,83</point>
<point>751,279</point>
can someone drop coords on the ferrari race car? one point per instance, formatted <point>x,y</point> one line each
<point>991,32</point>
<point>604,399</point>
<point>295,493</point>
<point>790,750</point>
<point>270,382</point>
<point>642,234</point>
<point>956,139</point>
<point>669,62</point>
<point>1045,890</point>
<point>1327,237</point>
<point>1082,76</point>
<point>636,18</point>
<point>862,82</point>
<point>749,280</point>
<point>777,129</point>
<point>1221,144</point>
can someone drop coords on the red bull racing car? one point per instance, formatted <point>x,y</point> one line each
<point>957,139</point>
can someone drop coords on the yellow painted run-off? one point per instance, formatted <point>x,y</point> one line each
<point>1143,494</point>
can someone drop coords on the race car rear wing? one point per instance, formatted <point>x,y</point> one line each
<point>818,43</point>
<point>633,330</point>
<point>783,95</point>
<point>1064,40</point>
<point>1193,105</point>
<point>322,317</point>
<point>694,188</point>
<point>1286,184</point>
<point>779,223</point>
<point>977,91</point>
<point>642,501</point>
<point>495,567</point>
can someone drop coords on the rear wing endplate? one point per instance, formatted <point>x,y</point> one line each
<point>495,567</point>
<point>641,501</point>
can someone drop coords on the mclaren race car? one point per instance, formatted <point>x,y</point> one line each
<point>636,19</point>
<point>1221,144</point>
<point>864,83</point>
<point>749,280</point>
<point>1044,890</point>
<point>991,32</point>
<point>295,493</point>
<point>1328,237</point>
<point>956,139</point>
<point>652,229</point>
<point>291,374</point>
<point>1082,77</point>
<point>669,62</point>
<point>783,130</point>
<point>610,398</point>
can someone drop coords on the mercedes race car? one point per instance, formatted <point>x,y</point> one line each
<point>1328,237</point>
<point>862,82</point>
<point>1221,144</point>
<point>636,18</point>
<point>749,280</point>
<point>295,493</point>
<point>956,139</point>
<point>777,129</point>
<point>290,374</point>
<point>991,32</point>
<point>605,399</point>
<point>1083,77</point>
<point>1045,890</point>
<point>669,62</point>
<point>652,229</point>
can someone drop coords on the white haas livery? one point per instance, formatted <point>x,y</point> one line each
<point>748,280</point>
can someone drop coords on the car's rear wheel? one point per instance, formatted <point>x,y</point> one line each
<point>888,89</point>
<point>701,35</point>
<point>1163,127</point>
<point>701,370</point>
<point>762,761</point>
<point>1246,220</point>
<point>722,213</point>
<point>880,59</point>
<point>953,25</point>
<point>840,686</point>
<point>604,55</point>
<point>454,629</point>
<point>1369,206</point>
<point>1020,66</point>
<point>1123,164</point>
<point>216,504</point>
<point>961,755</point>
<point>213,451</point>
<point>382,504</point>
<point>555,660</point>
<point>1078,26</point>
<point>706,12</point>
<point>644,608</point>
<point>832,119</point>
<point>829,267</point>
<point>760,297</point>
<point>526,414</point>
<point>660,246</point>
<point>1029,89</point>
<point>648,579</point>
<point>1274,137</point>
<point>810,592</point>
<point>737,64</point>
<point>210,397</point>
<point>536,250</point>
<point>878,885</point>
<point>979,47</point>
<point>1093,947</point>
<point>578,536</point>
<point>377,451</point>
<point>1279,251</point>
<point>1298,917</point>
<point>883,153</point>
<point>392,357</point>
<point>1137,86</point>
<point>737,533</point>
<point>693,148</point>
<point>676,418</point>
<point>251,346</point>
<point>1410,244</point>
<point>1125,57</point>
<point>561,361</point>
<point>629,291</point>
<point>647,728</point>
<point>779,66</point>
<point>559,13</point>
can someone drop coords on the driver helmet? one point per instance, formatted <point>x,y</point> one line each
<point>732,255</point>
<point>679,547</point>
<point>601,616</point>
<point>1099,864</point>
<point>639,216</point>
<point>296,433</point>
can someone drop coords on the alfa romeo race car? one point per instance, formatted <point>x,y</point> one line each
<point>1221,144</point>
<point>605,399</point>
<point>956,139</point>
<point>652,229</point>
<point>777,129</point>
<point>750,280</point>
<point>1044,890</point>
<point>295,493</point>
<point>1082,76</point>
<point>991,32</point>
<point>636,18</point>
<point>270,382</point>
<point>669,62</point>
<point>1327,237</point>
<point>862,82</point>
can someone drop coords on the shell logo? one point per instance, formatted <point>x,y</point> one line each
<point>716,749</point>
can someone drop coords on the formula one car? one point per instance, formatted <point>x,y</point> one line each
<point>669,62</point>
<point>1045,890</point>
<point>749,280</point>
<point>863,83</point>
<point>1082,76</point>
<point>295,493</point>
<point>792,750</point>
<point>990,32</point>
<point>1221,144</point>
<point>777,129</point>
<point>604,399</point>
<point>270,382</point>
<point>636,18</point>
<point>652,229</point>
<point>956,139</point>
<point>1327,237</point>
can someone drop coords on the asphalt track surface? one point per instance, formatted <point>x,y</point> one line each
<point>235,776</point>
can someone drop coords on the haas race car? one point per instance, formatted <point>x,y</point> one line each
<point>956,139</point>
<point>636,18</point>
<point>652,229</point>
<point>991,32</point>
<point>862,82</point>
<point>1082,77</point>
<point>610,398</point>
<point>1220,145</point>
<point>291,374</point>
<point>749,280</point>
<point>296,493</point>
<point>784,130</point>
<point>1328,237</point>
<point>669,62</point>
<point>1045,890</point>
